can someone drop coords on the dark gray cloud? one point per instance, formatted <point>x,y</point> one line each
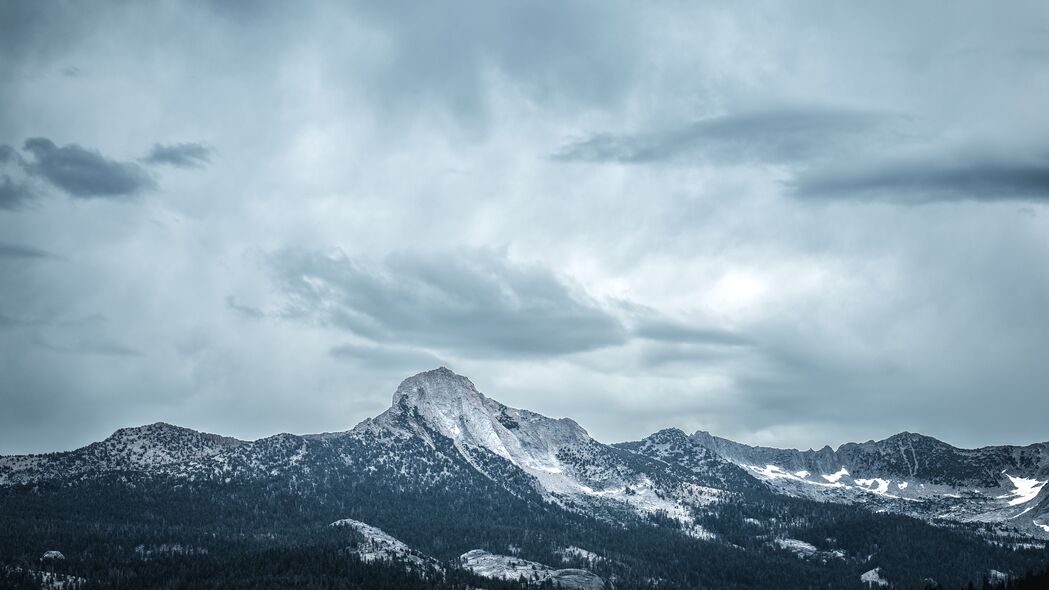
<point>18,251</point>
<point>756,311</point>
<point>180,155</point>
<point>84,173</point>
<point>780,135</point>
<point>470,302</point>
<point>13,194</point>
<point>9,154</point>
<point>978,178</point>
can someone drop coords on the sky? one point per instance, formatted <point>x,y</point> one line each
<point>786,223</point>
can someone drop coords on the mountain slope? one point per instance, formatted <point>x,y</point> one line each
<point>447,470</point>
<point>561,460</point>
<point>908,473</point>
<point>140,449</point>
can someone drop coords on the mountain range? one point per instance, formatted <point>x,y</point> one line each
<point>450,480</point>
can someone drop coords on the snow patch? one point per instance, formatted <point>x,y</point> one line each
<point>801,548</point>
<point>1026,490</point>
<point>876,485</point>
<point>698,532</point>
<point>834,477</point>
<point>573,552</point>
<point>504,567</point>
<point>379,546</point>
<point>873,578</point>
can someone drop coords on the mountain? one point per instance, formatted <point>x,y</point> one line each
<point>140,449</point>
<point>909,473</point>
<point>449,485</point>
<point>559,460</point>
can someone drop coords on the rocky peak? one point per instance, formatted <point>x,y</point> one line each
<point>168,435</point>
<point>450,404</point>
<point>438,387</point>
<point>667,436</point>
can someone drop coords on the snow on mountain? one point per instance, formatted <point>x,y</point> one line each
<point>1026,489</point>
<point>505,567</point>
<point>139,449</point>
<point>566,464</point>
<point>873,578</point>
<point>452,406</point>
<point>806,550</point>
<point>908,473</point>
<point>572,552</point>
<point>440,427</point>
<point>801,548</point>
<point>376,545</point>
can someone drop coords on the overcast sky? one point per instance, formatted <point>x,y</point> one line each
<point>792,224</point>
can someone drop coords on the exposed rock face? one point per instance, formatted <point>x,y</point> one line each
<point>564,462</point>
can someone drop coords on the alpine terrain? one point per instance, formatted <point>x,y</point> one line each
<point>449,488</point>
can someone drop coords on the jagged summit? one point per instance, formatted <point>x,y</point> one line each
<point>169,434</point>
<point>438,386</point>
<point>440,427</point>
<point>557,452</point>
<point>906,437</point>
<point>451,405</point>
<point>136,449</point>
<point>668,435</point>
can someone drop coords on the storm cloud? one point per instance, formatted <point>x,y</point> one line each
<point>471,303</point>
<point>251,218</point>
<point>783,135</point>
<point>180,155</point>
<point>19,251</point>
<point>923,181</point>
<point>82,172</point>
<point>12,193</point>
<point>78,171</point>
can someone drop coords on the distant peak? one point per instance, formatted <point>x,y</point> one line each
<point>668,435</point>
<point>703,436</point>
<point>154,427</point>
<point>913,437</point>
<point>168,432</point>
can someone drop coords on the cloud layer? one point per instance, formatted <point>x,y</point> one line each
<point>473,304</point>
<point>685,215</point>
